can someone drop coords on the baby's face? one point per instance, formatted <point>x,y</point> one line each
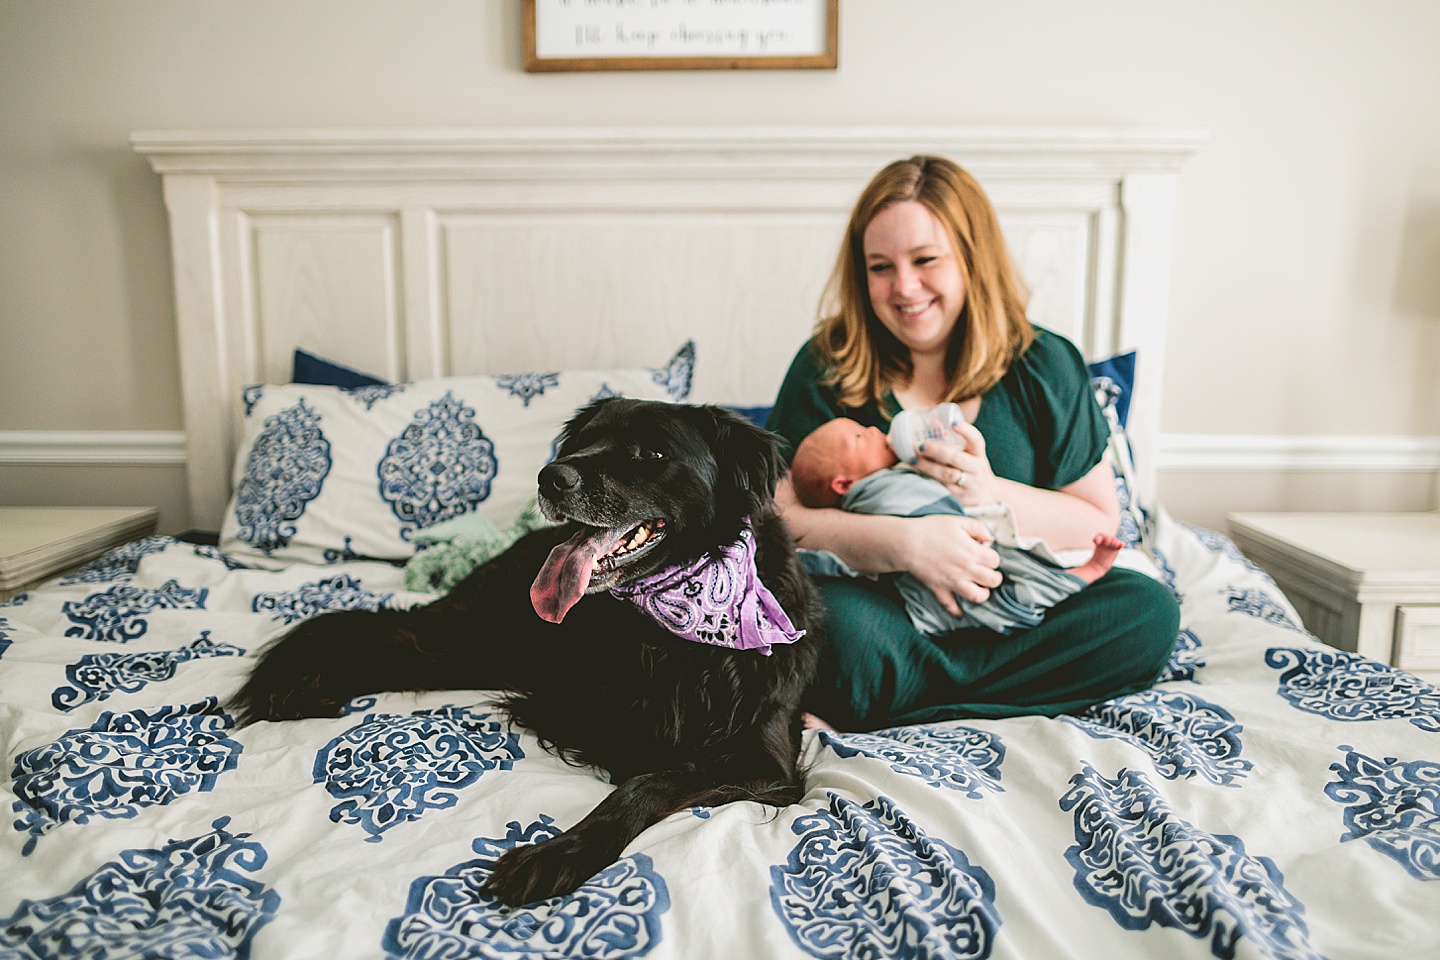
<point>861,450</point>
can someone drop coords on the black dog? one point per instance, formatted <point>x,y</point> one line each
<point>640,487</point>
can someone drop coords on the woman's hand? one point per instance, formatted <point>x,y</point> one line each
<point>1067,518</point>
<point>950,556</point>
<point>947,553</point>
<point>961,466</point>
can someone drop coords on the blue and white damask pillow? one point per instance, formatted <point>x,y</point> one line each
<point>325,472</point>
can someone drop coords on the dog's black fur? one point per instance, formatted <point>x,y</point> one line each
<point>676,723</point>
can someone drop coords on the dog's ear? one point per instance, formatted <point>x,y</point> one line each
<point>748,457</point>
<point>581,420</point>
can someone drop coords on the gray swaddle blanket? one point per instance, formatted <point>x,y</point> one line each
<point>1035,579</point>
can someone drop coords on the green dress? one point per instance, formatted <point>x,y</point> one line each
<point>1042,427</point>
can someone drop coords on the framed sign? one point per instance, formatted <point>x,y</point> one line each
<point>681,34</point>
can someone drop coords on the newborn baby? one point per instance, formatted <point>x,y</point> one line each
<point>844,464</point>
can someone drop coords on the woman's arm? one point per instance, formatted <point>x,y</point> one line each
<point>1066,519</point>
<point>948,554</point>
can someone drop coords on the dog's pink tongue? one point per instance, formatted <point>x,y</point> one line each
<point>564,577</point>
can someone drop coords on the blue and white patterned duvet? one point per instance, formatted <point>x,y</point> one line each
<point>1273,797</point>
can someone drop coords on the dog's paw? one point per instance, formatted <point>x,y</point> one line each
<point>316,668</point>
<point>551,868</point>
<point>287,684</point>
<point>297,699</point>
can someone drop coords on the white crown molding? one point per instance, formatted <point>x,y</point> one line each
<point>92,447</point>
<point>1176,451</point>
<point>1248,452</point>
<point>539,153</point>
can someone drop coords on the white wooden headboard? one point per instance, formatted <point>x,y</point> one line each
<point>423,253</point>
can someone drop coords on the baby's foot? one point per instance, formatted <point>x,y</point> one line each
<point>1107,548</point>
<point>811,722</point>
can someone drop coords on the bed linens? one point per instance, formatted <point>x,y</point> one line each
<point>1271,797</point>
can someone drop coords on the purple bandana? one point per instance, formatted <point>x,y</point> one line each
<point>716,601</point>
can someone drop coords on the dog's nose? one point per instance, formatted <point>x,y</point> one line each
<point>558,479</point>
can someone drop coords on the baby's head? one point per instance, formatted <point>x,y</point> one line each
<point>836,454</point>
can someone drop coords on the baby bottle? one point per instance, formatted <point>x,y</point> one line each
<point>910,428</point>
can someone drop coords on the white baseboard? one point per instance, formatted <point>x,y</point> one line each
<point>1362,454</point>
<point>1176,451</point>
<point>92,448</point>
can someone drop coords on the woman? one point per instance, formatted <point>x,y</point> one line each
<point>925,306</point>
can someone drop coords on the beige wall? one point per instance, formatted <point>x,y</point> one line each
<point>1306,285</point>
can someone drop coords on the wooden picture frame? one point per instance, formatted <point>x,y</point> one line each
<point>576,35</point>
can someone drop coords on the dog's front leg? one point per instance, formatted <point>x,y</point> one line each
<point>558,866</point>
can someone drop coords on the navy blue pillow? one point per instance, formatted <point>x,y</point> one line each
<point>317,371</point>
<point>756,415</point>
<point>1119,370</point>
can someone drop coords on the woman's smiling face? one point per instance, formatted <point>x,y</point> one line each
<point>914,279</point>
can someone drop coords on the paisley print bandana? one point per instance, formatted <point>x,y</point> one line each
<point>716,600</point>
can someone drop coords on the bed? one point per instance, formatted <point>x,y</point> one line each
<point>1269,797</point>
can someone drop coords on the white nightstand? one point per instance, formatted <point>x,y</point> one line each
<point>1366,582</point>
<point>37,543</point>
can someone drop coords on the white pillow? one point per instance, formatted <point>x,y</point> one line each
<point>327,473</point>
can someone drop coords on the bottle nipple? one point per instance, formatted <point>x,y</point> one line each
<point>911,428</point>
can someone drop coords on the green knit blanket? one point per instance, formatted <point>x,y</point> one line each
<point>462,544</point>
